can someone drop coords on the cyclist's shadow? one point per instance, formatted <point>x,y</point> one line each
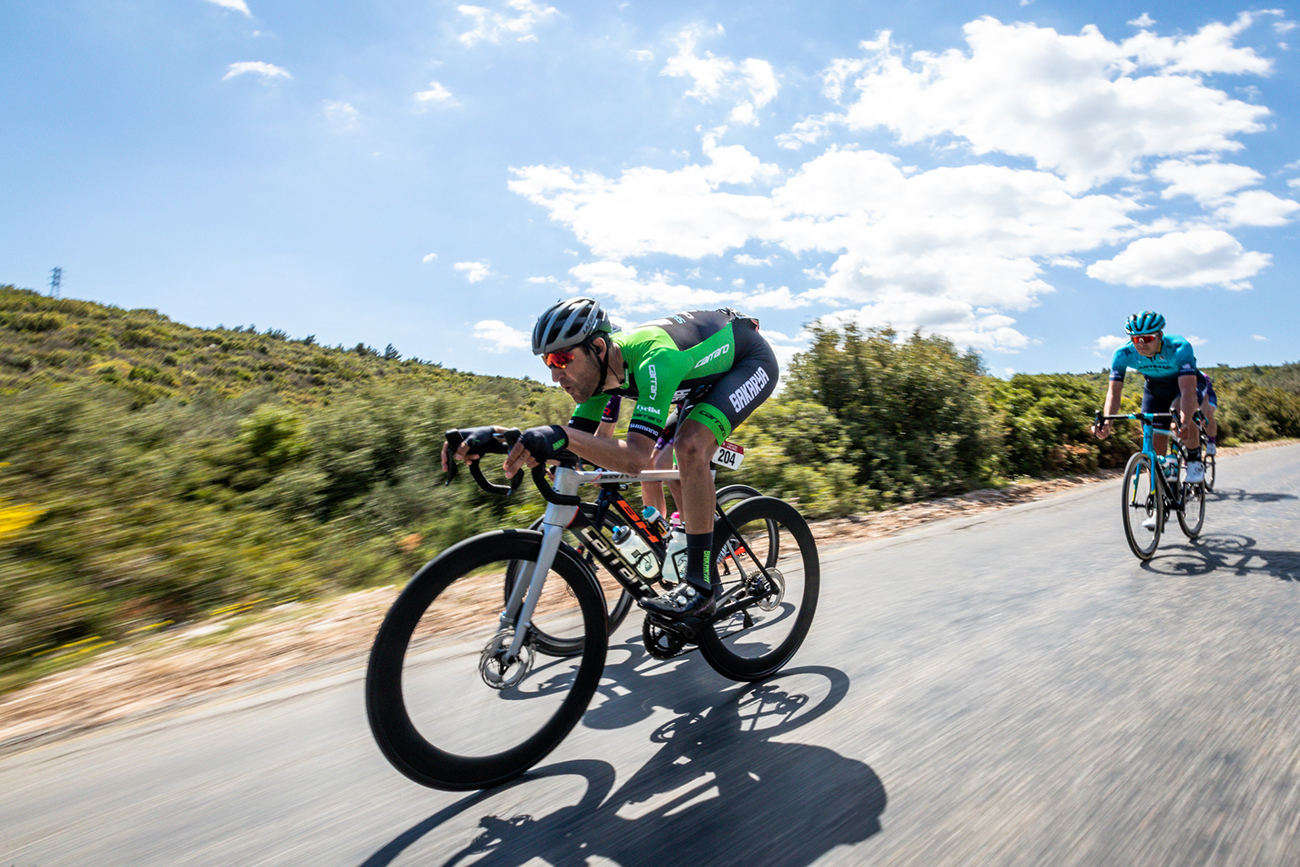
<point>1230,553</point>
<point>719,790</point>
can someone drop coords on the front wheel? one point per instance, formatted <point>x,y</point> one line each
<point>1143,506</point>
<point>448,703</point>
<point>770,578</point>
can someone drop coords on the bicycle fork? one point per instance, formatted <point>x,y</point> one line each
<point>508,657</point>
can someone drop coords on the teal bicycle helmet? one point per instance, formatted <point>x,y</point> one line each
<point>1146,322</point>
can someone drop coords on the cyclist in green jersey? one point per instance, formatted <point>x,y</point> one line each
<point>714,361</point>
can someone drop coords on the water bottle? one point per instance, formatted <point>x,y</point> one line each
<point>675,559</point>
<point>655,521</point>
<point>636,551</point>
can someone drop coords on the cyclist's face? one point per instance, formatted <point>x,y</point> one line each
<point>578,377</point>
<point>1147,344</point>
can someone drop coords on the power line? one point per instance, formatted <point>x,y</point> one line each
<point>56,280</point>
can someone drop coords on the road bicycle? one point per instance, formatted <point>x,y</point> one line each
<point>1155,485</point>
<point>460,692</point>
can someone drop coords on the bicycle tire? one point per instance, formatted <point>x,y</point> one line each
<point>553,645</point>
<point>409,693</point>
<point>1141,496</point>
<point>758,628</point>
<point>1192,516</point>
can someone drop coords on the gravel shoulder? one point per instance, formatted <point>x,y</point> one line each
<point>226,658</point>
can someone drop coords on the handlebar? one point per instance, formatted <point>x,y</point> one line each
<point>487,440</point>
<point>484,441</point>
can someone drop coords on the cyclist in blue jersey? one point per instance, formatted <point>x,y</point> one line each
<point>712,360</point>
<point>1169,365</point>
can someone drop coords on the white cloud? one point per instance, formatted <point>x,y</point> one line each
<point>1207,182</point>
<point>1258,337</point>
<point>749,85</point>
<point>643,54</point>
<point>500,337</point>
<point>516,21</point>
<point>436,94</point>
<point>1082,106</point>
<point>1204,257</point>
<point>1143,20</point>
<point>542,280</point>
<point>1110,342</point>
<point>341,114</point>
<point>475,272</point>
<point>745,259</point>
<point>237,5</point>
<point>268,71</point>
<point>429,258</point>
<point>646,210</point>
<point>1257,208</point>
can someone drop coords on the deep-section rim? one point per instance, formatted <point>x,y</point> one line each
<point>712,648</point>
<point>399,740</point>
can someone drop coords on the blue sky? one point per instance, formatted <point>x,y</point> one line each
<point>1018,176</point>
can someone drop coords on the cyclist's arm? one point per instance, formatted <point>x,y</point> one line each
<point>624,456</point>
<point>1111,407</point>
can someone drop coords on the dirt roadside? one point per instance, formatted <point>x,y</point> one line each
<point>224,658</point>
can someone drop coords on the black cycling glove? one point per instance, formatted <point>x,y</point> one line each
<point>477,438</point>
<point>545,443</point>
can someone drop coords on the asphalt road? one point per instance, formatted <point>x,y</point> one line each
<point>1009,689</point>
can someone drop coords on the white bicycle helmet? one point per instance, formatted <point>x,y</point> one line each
<point>569,323</point>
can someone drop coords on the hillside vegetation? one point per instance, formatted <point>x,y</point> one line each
<point>153,473</point>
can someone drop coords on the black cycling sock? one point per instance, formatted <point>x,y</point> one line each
<point>1193,455</point>
<point>699,552</point>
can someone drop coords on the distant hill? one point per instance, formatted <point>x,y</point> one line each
<point>61,340</point>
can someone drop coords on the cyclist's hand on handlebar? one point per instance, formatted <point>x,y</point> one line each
<point>536,446</point>
<point>1101,431</point>
<point>471,446</point>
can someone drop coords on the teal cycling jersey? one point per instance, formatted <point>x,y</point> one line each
<point>1174,359</point>
<point>665,361</point>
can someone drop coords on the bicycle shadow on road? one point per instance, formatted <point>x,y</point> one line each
<point>1238,495</point>
<point>720,790</point>
<point>1231,553</point>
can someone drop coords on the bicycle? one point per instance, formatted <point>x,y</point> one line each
<point>1153,493</point>
<point>456,696</point>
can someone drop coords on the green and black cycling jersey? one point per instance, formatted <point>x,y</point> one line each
<point>714,360</point>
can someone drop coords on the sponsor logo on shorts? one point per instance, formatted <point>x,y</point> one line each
<point>654,383</point>
<point>648,410</point>
<point>749,390</point>
<point>720,351</point>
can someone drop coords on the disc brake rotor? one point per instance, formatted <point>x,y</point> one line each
<point>777,589</point>
<point>496,669</point>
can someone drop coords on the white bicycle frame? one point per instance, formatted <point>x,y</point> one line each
<point>518,613</point>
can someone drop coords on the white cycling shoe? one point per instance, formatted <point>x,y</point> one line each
<point>1210,449</point>
<point>1149,524</point>
<point>1195,472</point>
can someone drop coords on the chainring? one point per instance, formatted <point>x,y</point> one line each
<point>661,642</point>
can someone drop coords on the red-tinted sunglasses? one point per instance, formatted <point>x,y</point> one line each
<point>1145,338</point>
<point>560,358</point>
